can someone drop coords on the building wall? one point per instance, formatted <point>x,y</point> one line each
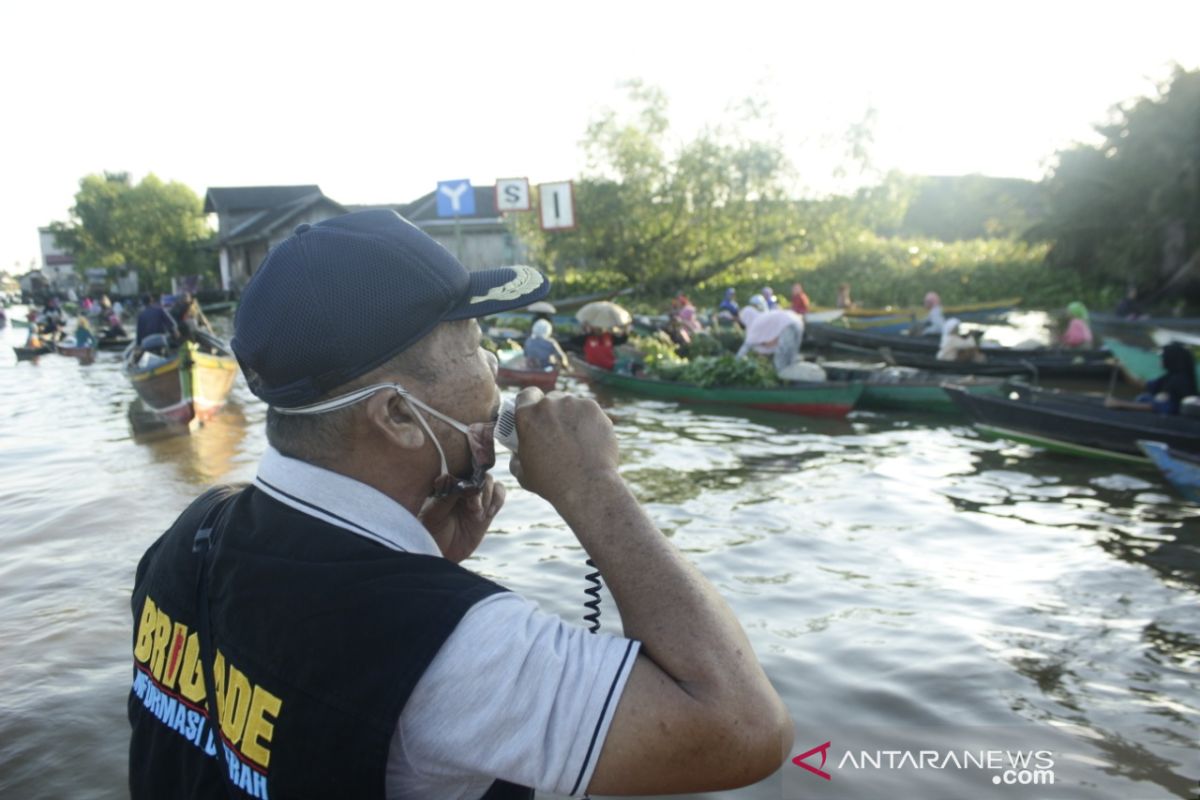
<point>481,247</point>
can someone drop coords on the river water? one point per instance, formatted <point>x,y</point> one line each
<point>908,586</point>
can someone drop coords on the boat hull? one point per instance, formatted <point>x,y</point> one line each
<point>1181,469</point>
<point>545,380</point>
<point>919,393</point>
<point>834,400</point>
<point>190,387</point>
<point>1074,424</point>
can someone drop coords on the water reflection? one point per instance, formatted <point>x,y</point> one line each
<point>890,571</point>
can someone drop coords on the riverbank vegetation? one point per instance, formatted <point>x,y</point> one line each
<point>719,211</point>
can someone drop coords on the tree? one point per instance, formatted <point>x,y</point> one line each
<point>157,228</point>
<point>664,221</point>
<point>1128,210</point>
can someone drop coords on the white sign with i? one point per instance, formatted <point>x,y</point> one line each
<point>557,202</point>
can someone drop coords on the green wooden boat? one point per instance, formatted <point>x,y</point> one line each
<point>825,399</point>
<point>904,389</point>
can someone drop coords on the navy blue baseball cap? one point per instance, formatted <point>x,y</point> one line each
<point>337,299</point>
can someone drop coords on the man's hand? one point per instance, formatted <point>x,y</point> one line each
<point>458,523</point>
<point>566,444</point>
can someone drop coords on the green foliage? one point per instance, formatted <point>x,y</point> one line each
<point>660,220</point>
<point>704,344</point>
<point>954,208</point>
<point>1128,210</point>
<point>657,350</point>
<point>155,227</point>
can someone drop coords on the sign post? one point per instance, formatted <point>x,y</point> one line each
<point>456,198</point>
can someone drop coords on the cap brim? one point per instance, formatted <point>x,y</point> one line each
<point>491,291</point>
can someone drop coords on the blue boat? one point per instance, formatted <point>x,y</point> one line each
<point>1180,468</point>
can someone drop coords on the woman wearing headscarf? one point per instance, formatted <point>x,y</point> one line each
<point>756,306</point>
<point>727,311</point>
<point>799,299</point>
<point>1078,333</point>
<point>1165,394</point>
<point>541,351</point>
<point>777,333</point>
<point>935,320</point>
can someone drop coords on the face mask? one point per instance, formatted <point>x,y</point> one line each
<point>479,437</point>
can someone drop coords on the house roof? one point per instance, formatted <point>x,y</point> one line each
<point>249,198</point>
<point>261,225</point>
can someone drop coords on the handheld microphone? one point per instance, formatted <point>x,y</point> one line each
<point>506,426</point>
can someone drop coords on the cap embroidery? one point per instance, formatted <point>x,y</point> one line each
<point>524,281</point>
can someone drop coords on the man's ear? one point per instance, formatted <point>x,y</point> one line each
<point>391,417</point>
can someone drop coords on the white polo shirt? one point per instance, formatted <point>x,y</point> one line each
<point>514,693</point>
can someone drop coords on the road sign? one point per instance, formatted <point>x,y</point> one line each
<point>455,198</point>
<point>558,206</point>
<point>512,194</point>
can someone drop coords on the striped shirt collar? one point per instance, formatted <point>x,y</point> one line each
<point>344,502</point>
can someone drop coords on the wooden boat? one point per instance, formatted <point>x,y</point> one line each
<point>1074,423</point>
<point>1035,368</point>
<point>516,372</point>
<point>825,399</point>
<point>86,355</point>
<point>832,334</point>
<point>188,386</point>
<point>30,353</point>
<point>887,388</point>
<point>1103,320</point>
<point>1180,468</point>
<point>894,320</point>
<point>114,342</point>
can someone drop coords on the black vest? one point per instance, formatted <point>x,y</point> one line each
<point>319,637</point>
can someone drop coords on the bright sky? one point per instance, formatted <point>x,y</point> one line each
<point>375,102</point>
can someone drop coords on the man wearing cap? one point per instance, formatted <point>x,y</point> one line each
<point>348,652</point>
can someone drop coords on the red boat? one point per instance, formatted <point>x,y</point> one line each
<point>517,372</point>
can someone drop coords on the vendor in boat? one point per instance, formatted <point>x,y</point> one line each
<point>769,295</point>
<point>756,306</point>
<point>727,310</point>
<point>1129,308</point>
<point>777,333</point>
<point>541,350</point>
<point>189,317</point>
<point>800,302</point>
<point>598,348</point>
<point>689,319</point>
<point>844,301</point>
<point>935,318</point>
<point>83,332</point>
<point>956,346</point>
<point>115,329</point>
<point>153,319</point>
<point>1165,394</point>
<point>1078,333</point>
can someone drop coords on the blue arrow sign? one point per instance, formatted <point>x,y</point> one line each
<point>455,199</point>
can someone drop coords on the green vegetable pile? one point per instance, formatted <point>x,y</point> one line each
<point>726,370</point>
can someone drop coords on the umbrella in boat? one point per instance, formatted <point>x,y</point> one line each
<point>541,307</point>
<point>604,314</point>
